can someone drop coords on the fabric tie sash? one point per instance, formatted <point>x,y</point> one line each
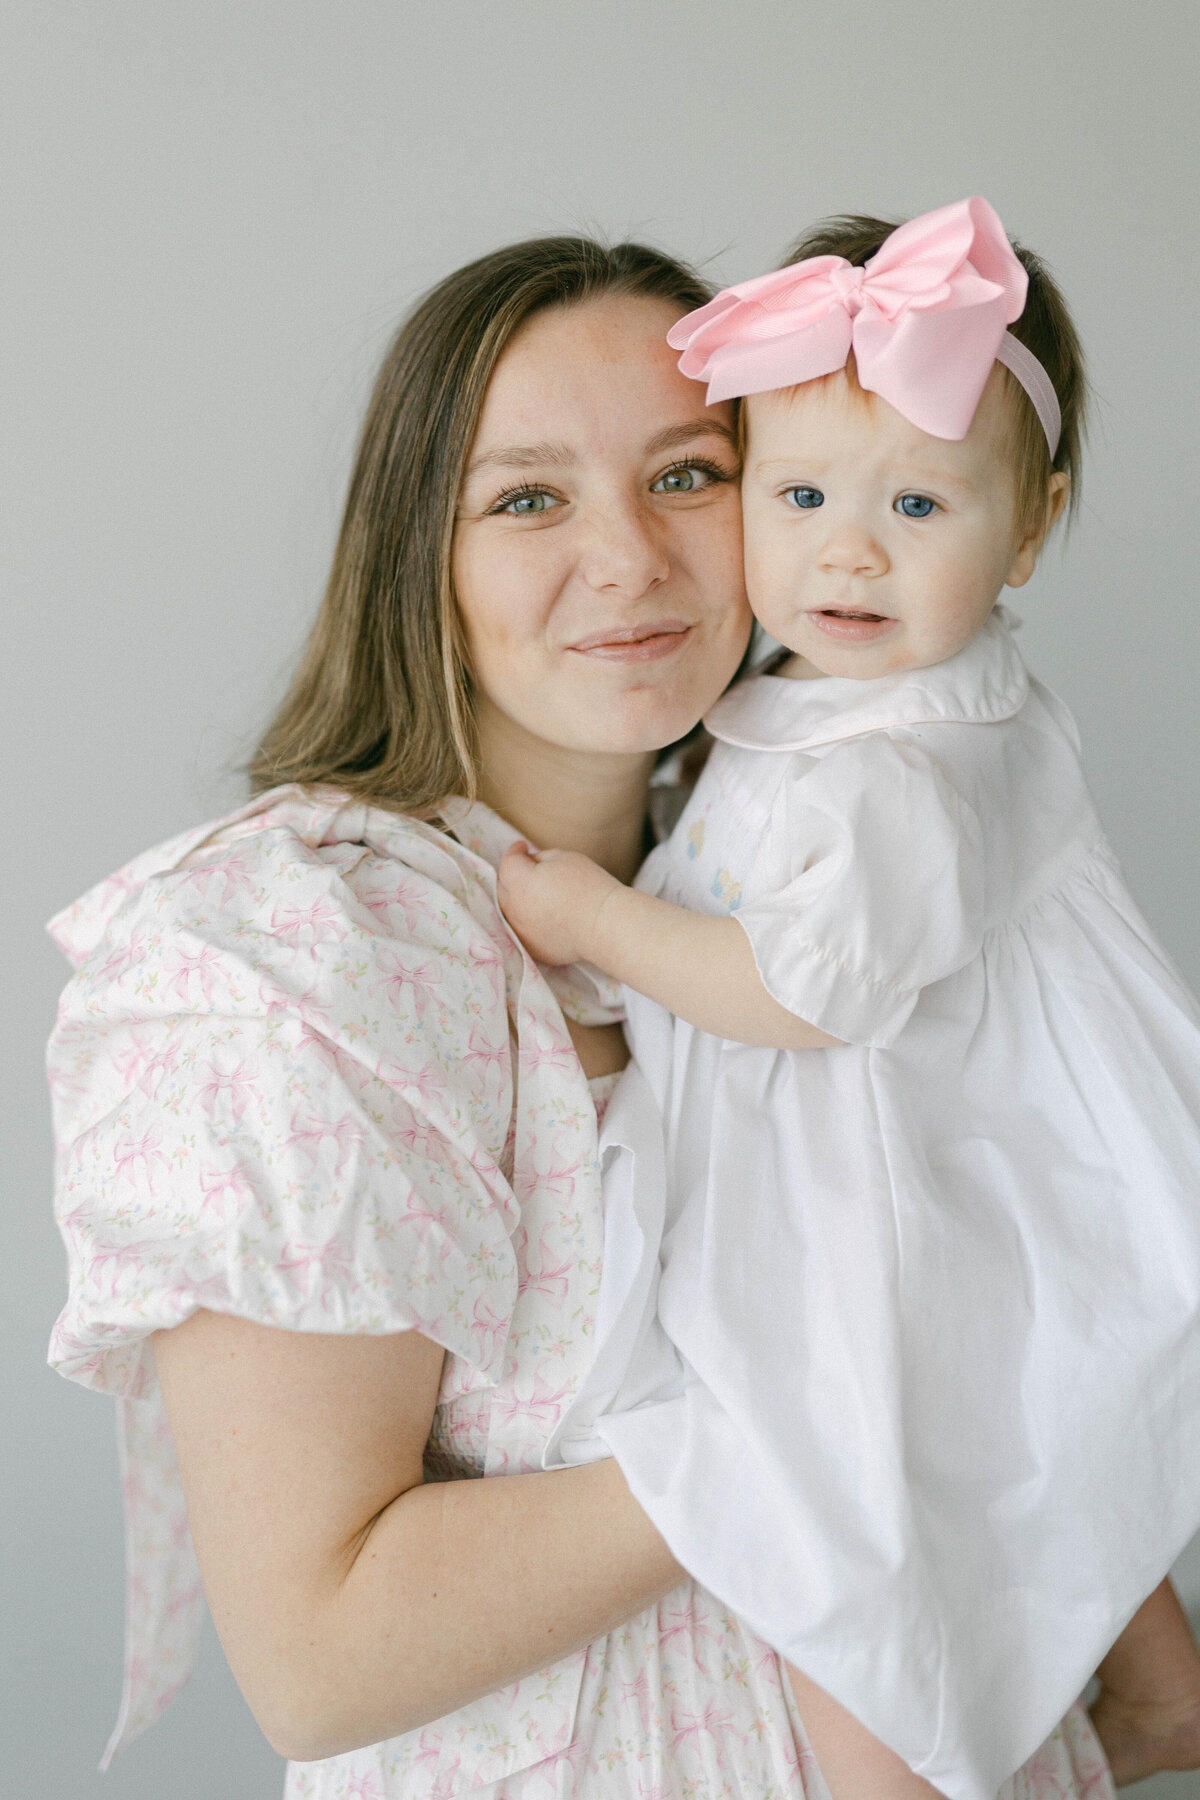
<point>926,317</point>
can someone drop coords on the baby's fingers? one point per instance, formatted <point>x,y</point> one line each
<point>516,864</point>
<point>517,884</point>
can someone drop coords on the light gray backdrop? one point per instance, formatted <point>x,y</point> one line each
<point>215,212</point>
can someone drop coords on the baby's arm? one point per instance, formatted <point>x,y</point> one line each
<point>567,909</point>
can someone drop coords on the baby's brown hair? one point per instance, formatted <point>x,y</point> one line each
<point>1045,327</point>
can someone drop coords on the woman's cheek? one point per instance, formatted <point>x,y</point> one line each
<point>716,557</point>
<point>502,608</point>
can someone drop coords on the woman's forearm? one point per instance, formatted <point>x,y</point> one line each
<point>355,1601</point>
<point>463,1587</point>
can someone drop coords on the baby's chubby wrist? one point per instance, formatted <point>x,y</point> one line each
<point>610,926</point>
<point>554,900</point>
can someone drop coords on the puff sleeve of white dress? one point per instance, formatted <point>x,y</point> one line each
<point>914,1382</point>
<point>860,926</point>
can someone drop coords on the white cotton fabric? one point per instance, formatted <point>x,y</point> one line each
<point>921,1400</point>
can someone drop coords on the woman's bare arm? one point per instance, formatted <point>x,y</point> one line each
<point>355,1601</point>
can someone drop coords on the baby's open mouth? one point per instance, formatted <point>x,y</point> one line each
<point>851,624</point>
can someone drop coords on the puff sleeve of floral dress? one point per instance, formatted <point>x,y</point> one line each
<point>271,1099</point>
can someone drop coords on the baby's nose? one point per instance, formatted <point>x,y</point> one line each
<point>852,551</point>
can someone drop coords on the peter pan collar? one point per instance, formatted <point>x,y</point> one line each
<point>984,683</point>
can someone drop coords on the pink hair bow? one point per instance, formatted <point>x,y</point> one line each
<point>926,318</point>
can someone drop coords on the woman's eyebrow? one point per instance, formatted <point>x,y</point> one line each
<point>522,456</point>
<point>530,456</point>
<point>687,433</point>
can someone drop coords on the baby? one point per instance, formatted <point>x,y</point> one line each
<point>930,1250</point>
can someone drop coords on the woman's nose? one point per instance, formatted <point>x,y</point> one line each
<point>851,550</point>
<point>624,552</point>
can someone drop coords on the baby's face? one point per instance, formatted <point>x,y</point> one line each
<point>871,546</point>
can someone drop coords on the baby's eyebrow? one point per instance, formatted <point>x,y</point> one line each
<point>786,462</point>
<point>941,478</point>
<point>813,466</point>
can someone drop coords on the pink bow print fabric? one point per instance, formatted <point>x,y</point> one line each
<point>926,318</point>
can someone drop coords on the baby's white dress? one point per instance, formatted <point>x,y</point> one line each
<point>899,1346</point>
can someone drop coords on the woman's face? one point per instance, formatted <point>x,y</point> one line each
<point>597,551</point>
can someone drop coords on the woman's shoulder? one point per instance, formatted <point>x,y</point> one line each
<point>301,916</point>
<point>250,863</point>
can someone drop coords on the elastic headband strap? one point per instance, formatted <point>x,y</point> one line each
<point>1022,363</point>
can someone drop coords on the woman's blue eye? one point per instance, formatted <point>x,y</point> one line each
<point>806,496</point>
<point>914,506</point>
<point>524,506</point>
<point>687,478</point>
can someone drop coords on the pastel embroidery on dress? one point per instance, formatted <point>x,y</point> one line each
<point>726,889</point>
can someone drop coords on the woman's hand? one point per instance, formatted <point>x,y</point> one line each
<point>553,899</point>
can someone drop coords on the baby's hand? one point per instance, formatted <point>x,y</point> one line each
<point>551,898</point>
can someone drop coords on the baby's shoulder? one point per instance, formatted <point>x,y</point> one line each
<point>1029,760</point>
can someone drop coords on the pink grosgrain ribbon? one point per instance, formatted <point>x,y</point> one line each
<point>926,317</point>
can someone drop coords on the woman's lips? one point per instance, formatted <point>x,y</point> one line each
<point>850,625</point>
<point>637,644</point>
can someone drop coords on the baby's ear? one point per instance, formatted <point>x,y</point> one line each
<point>1056,502</point>
<point>1025,557</point>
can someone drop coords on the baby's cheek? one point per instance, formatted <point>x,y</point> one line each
<point>965,611</point>
<point>774,583</point>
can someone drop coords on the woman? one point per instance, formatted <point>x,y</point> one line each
<point>329,1144</point>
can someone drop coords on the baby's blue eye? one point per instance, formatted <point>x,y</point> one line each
<point>914,506</point>
<point>806,496</point>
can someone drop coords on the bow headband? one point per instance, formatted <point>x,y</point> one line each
<point>926,317</point>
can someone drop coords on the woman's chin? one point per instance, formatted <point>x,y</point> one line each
<point>623,712</point>
<point>647,716</point>
<point>641,724</point>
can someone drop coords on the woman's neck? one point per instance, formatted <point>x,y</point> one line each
<point>565,799</point>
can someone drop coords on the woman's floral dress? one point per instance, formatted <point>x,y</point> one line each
<point>304,1074</point>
